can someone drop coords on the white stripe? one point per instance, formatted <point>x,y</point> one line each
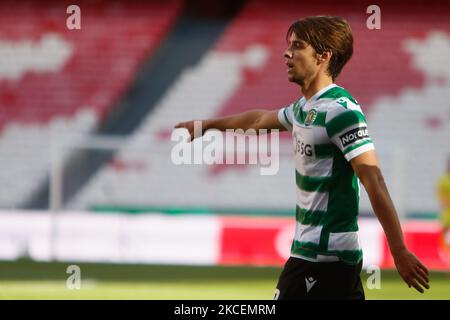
<point>299,256</point>
<point>322,258</point>
<point>283,120</point>
<point>310,166</point>
<point>313,201</point>
<point>315,167</point>
<point>319,258</point>
<point>358,151</point>
<point>307,233</point>
<point>344,241</point>
<point>335,109</point>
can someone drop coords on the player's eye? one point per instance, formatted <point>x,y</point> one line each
<point>297,45</point>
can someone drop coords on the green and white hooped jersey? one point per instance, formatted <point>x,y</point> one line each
<point>328,131</point>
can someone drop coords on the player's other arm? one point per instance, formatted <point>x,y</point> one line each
<point>252,119</point>
<point>367,168</point>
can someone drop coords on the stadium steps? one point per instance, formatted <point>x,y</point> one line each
<point>69,82</point>
<point>180,50</point>
<point>245,70</point>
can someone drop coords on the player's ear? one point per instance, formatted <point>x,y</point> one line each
<point>324,56</point>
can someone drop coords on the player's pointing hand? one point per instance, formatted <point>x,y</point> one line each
<point>189,126</point>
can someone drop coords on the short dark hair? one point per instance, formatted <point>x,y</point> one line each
<point>326,33</point>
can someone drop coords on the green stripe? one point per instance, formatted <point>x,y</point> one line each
<point>324,237</point>
<point>301,116</point>
<point>351,148</point>
<point>344,120</point>
<point>309,217</point>
<point>336,93</point>
<point>327,150</point>
<point>310,250</point>
<point>318,184</point>
<point>320,120</point>
<point>285,116</point>
<point>297,110</point>
<point>306,249</point>
<point>343,198</point>
<point>174,210</point>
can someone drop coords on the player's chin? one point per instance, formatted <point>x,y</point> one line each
<point>291,77</point>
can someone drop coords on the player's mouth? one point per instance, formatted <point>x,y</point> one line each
<point>290,66</point>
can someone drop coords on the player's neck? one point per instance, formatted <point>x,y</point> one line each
<point>311,87</point>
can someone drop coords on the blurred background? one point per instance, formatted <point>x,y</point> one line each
<point>86,118</point>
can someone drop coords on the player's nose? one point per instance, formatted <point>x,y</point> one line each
<point>287,54</point>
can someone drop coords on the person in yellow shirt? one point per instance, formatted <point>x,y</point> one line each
<point>443,188</point>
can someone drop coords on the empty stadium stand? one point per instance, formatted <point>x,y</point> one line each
<point>399,74</point>
<point>58,83</point>
<point>61,84</point>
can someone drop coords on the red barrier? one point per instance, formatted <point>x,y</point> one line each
<point>267,241</point>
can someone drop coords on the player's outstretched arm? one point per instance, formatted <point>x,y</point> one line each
<point>367,168</point>
<point>252,119</point>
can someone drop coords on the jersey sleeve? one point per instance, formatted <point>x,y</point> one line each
<point>347,129</point>
<point>285,116</point>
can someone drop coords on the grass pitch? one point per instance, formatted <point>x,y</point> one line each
<point>31,280</point>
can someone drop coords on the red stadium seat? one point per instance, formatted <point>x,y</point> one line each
<point>52,77</point>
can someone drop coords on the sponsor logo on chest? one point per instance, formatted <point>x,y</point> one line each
<point>301,147</point>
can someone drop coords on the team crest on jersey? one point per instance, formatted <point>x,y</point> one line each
<point>310,117</point>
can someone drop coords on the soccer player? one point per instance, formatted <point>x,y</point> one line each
<point>333,153</point>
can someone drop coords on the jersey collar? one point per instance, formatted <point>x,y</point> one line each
<point>320,92</point>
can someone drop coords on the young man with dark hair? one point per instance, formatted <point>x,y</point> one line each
<point>333,153</point>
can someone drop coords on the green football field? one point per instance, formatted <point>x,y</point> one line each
<point>31,280</point>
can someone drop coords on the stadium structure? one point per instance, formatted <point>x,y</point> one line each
<point>86,117</point>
